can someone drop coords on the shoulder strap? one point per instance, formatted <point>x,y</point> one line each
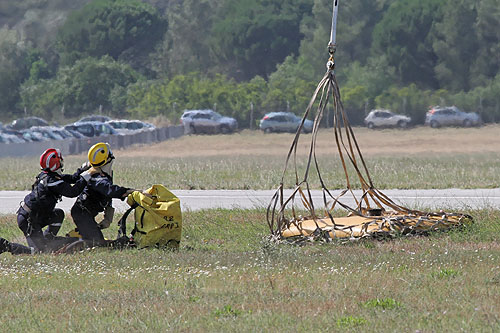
<point>122,224</point>
<point>41,177</point>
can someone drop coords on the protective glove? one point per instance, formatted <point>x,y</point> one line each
<point>109,212</point>
<point>85,166</point>
<point>147,194</point>
<point>129,191</point>
<point>87,174</point>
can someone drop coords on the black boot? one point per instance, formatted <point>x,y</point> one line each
<point>4,245</point>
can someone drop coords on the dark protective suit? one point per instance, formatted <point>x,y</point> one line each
<point>96,196</point>
<point>38,211</point>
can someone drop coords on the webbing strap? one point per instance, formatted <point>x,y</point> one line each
<point>281,212</point>
<point>122,224</point>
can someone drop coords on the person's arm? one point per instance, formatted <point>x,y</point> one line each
<point>66,189</point>
<point>74,177</point>
<point>105,187</point>
<point>109,212</point>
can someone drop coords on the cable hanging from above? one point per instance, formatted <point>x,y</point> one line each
<point>374,214</point>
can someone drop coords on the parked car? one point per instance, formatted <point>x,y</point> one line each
<point>91,128</point>
<point>33,136</point>
<point>16,133</point>
<point>94,117</point>
<point>27,122</point>
<point>48,132</point>
<point>207,121</point>
<point>69,134</point>
<point>10,138</point>
<point>65,133</point>
<point>451,116</point>
<point>386,118</point>
<point>139,124</point>
<point>284,122</point>
<point>4,138</point>
<point>128,126</point>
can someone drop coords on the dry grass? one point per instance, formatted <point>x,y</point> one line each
<point>387,142</point>
<point>415,158</point>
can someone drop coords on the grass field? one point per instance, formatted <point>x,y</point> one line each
<point>416,158</point>
<point>228,277</point>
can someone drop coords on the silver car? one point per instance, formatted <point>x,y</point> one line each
<point>386,118</point>
<point>284,122</point>
<point>451,116</point>
<point>27,122</point>
<point>207,121</point>
<point>130,126</point>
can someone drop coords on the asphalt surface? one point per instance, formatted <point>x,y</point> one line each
<point>197,199</point>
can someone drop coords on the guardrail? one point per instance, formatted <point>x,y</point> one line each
<point>78,146</point>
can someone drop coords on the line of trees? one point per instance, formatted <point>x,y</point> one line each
<point>148,58</point>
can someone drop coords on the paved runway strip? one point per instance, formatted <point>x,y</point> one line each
<point>204,199</point>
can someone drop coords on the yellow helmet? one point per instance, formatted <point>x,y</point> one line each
<point>100,154</point>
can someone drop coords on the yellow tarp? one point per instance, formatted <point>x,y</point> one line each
<point>359,226</point>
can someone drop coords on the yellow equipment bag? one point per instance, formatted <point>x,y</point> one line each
<point>158,220</point>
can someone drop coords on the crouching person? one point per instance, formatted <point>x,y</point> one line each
<point>38,210</point>
<point>97,196</point>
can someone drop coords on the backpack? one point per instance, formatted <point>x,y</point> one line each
<point>158,220</point>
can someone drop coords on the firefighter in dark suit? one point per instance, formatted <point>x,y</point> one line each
<point>97,196</point>
<point>37,217</point>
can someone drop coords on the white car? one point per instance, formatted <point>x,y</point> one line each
<point>385,118</point>
<point>130,126</point>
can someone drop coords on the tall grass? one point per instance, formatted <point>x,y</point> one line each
<point>264,172</point>
<point>228,277</point>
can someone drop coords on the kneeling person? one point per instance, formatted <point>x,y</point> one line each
<point>38,210</point>
<point>97,196</point>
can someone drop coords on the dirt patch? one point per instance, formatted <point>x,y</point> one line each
<point>419,140</point>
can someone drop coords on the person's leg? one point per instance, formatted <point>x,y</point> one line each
<point>32,232</point>
<point>37,241</point>
<point>14,248</point>
<point>22,222</point>
<point>55,222</point>
<point>4,245</point>
<point>58,243</point>
<point>86,224</point>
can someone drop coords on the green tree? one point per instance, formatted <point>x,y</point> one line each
<point>252,36</point>
<point>14,69</point>
<point>376,76</point>
<point>38,66</point>
<point>355,103</point>
<point>185,47</point>
<point>82,88</point>
<point>126,30</point>
<point>409,100</point>
<point>404,36</point>
<point>455,44</point>
<point>356,22</point>
<point>483,99</point>
<point>193,91</point>
<point>485,64</point>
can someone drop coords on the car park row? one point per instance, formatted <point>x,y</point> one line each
<point>436,117</point>
<point>76,138</point>
<point>379,118</point>
<point>34,129</point>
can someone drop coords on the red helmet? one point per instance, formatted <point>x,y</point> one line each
<point>51,160</point>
